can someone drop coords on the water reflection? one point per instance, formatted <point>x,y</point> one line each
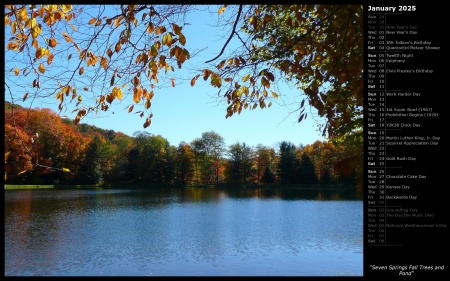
<point>182,231</point>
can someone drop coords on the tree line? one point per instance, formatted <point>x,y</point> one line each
<point>43,148</point>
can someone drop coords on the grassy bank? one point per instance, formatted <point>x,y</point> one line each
<point>31,186</point>
<point>14,186</point>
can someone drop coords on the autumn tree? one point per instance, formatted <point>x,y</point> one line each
<point>51,144</point>
<point>209,151</point>
<point>92,58</point>
<point>185,164</point>
<point>105,52</point>
<point>265,163</point>
<point>317,47</point>
<point>112,52</point>
<point>324,156</point>
<point>18,160</point>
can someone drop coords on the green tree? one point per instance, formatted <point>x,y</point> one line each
<point>197,147</point>
<point>91,170</point>
<point>240,166</point>
<point>307,173</point>
<point>210,147</point>
<point>288,164</point>
<point>152,159</point>
<point>268,176</point>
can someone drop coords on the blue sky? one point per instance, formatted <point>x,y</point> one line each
<point>183,113</point>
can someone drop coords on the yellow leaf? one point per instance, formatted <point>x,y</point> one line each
<point>182,38</point>
<point>119,93</point>
<point>104,63</point>
<point>67,37</point>
<point>153,51</point>
<point>92,21</point>
<point>66,8</point>
<point>167,39</point>
<point>41,68</point>
<point>81,71</point>
<point>73,27</point>
<point>147,104</point>
<point>246,77</point>
<point>275,95</point>
<point>117,21</point>
<point>16,71</point>
<point>65,170</point>
<point>77,119</point>
<point>137,95</point>
<point>221,10</point>
<point>36,31</point>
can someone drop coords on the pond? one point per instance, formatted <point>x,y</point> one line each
<point>183,232</point>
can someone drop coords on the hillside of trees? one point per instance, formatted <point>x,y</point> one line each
<point>43,148</point>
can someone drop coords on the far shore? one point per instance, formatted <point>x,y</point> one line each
<point>100,187</point>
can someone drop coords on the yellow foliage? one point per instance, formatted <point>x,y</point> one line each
<point>41,68</point>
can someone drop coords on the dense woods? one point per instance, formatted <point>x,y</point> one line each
<point>43,148</point>
<point>90,58</point>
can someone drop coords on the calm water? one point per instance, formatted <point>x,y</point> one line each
<point>182,232</point>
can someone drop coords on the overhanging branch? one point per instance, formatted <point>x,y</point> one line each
<point>231,35</point>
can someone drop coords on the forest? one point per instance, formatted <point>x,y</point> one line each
<point>90,58</point>
<point>43,148</point>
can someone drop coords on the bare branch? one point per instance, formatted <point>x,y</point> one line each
<point>231,35</point>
